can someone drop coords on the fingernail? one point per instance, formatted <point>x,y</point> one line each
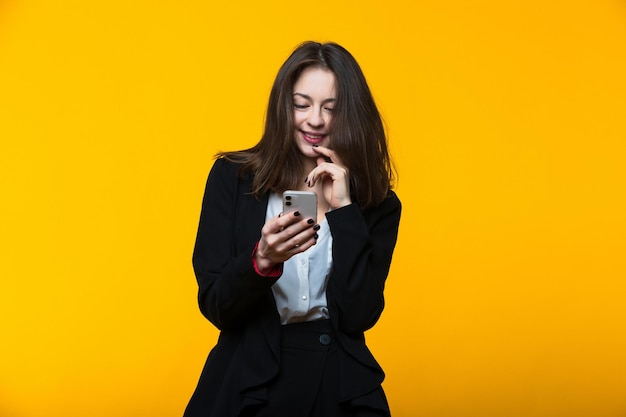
<point>297,213</point>
<point>306,179</point>
<point>316,227</point>
<point>315,236</point>
<point>315,146</point>
<point>310,221</point>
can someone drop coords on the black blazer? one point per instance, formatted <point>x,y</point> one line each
<point>240,303</point>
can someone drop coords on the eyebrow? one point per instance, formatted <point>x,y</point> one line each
<point>307,97</point>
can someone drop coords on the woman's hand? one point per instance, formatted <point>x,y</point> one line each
<point>334,176</point>
<point>282,237</point>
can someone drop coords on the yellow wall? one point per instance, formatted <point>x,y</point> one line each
<point>507,120</point>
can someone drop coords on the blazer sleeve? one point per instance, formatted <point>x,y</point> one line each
<point>363,244</point>
<point>229,289</point>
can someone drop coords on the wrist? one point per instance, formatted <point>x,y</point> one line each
<point>263,266</point>
<point>343,203</point>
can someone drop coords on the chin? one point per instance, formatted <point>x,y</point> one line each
<point>308,154</point>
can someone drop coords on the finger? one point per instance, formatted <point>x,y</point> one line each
<point>296,233</point>
<point>298,245</point>
<point>322,159</point>
<point>322,150</point>
<point>278,223</point>
<point>328,154</point>
<point>303,247</point>
<point>286,219</point>
<point>316,175</point>
<point>285,244</point>
<point>322,168</point>
<point>334,171</point>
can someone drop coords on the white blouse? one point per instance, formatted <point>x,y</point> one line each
<point>300,292</point>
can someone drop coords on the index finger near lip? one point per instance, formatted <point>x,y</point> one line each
<point>329,155</point>
<point>323,150</point>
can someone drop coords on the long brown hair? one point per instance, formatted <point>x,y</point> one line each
<point>357,132</point>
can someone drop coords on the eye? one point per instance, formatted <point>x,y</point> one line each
<point>329,109</point>
<point>300,106</point>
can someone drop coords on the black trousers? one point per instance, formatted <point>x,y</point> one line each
<point>307,385</point>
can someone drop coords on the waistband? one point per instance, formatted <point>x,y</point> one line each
<point>309,335</point>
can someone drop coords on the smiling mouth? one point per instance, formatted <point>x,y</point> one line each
<point>313,138</point>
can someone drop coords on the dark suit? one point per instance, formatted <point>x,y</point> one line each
<point>240,303</point>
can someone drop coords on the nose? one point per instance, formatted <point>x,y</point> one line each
<point>316,118</point>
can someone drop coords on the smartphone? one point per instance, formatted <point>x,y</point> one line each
<point>303,201</point>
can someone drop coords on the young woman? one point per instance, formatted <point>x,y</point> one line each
<point>293,296</point>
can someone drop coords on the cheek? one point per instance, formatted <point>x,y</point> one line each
<point>297,119</point>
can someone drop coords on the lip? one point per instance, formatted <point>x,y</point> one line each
<point>313,138</point>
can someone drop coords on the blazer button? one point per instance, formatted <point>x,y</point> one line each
<point>325,339</point>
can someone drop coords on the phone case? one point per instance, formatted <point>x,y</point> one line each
<point>303,201</point>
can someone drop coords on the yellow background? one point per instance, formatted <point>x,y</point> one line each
<point>507,121</point>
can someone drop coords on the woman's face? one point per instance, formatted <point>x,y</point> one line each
<point>313,103</point>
